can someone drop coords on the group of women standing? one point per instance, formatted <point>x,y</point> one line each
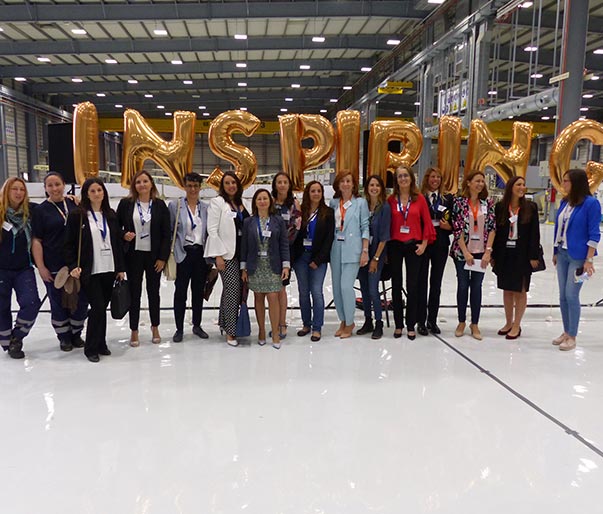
<point>95,246</point>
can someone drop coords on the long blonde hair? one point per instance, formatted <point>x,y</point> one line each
<point>4,203</point>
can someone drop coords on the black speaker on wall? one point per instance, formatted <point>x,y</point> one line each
<point>60,150</point>
<point>393,146</point>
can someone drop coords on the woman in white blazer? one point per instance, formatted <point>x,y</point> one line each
<point>224,230</point>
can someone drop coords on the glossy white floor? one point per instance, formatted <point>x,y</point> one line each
<point>335,427</point>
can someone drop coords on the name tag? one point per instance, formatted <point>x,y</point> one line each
<point>263,253</point>
<point>484,209</point>
<point>144,235</point>
<point>404,229</point>
<point>189,239</point>
<point>308,243</point>
<point>233,214</point>
<point>286,216</point>
<point>442,208</point>
<point>511,243</point>
<point>513,219</point>
<point>435,223</point>
<point>7,226</point>
<point>475,237</point>
<point>146,217</point>
<point>347,204</point>
<point>340,236</point>
<point>266,233</point>
<point>105,252</point>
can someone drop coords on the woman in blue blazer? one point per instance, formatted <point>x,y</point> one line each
<point>350,248</point>
<point>380,215</point>
<point>576,238</point>
<point>265,261</point>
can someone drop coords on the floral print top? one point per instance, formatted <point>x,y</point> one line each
<point>460,223</point>
<point>292,217</point>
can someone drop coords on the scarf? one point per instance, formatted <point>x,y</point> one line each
<point>15,218</point>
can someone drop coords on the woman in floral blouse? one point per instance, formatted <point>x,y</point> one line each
<point>473,225</point>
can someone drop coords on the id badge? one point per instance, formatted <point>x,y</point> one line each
<point>239,233</point>
<point>348,204</point>
<point>484,209</point>
<point>7,226</point>
<point>189,239</point>
<point>513,219</point>
<point>475,237</point>
<point>511,243</point>
<point>404,229</point>
<point>105,252</point>
<point>286,216</point>
<point>233,214</point>
<point>442,208</point>
<point>266,233</point>
<point>146,217</point>
<point>263,253</point>
<point>340,236</point>
<point>435,223</point>
<point>308,243</point>
<point>144,235</point>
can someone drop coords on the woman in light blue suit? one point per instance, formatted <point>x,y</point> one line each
<point>350,247</point>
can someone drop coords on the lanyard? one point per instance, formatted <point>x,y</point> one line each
<point>260,234</point>
<point>342,212</point>
<point>310,220</point>
<point>435,205</point>
<point>140,213</point>
<point>238,211</point>
<point>405,210</point>
<point>103,230</point>
<point>475,212</point>
<point>190,214</point>
<point>513,227</point>
<point>63,214</point>
<point>567,212</point>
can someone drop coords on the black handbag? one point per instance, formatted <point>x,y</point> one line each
<point>541,264</point>
<point>120,299</point>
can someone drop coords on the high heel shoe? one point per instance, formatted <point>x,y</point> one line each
<point>340,329</point>
<point>503,332</point>
<point>475,333</point>
<point>398,335</point>
<point>347,331</point>
<point>509,336</point>
<point>134,342</point>
<point>460,329</point>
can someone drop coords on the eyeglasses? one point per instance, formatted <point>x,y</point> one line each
<point>193,185</point>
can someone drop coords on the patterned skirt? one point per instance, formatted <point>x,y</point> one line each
<point>264,280</point>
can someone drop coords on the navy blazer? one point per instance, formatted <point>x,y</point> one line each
<point>583,227</point>
<point>322,242</point>
<point>278,246</point>
<point>380,228</point>
<point>442,236</point>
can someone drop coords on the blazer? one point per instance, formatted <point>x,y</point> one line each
<point>582,229</point>
<point>528,238</point>
<point>442,236</point>
<point>460,223</point>
<point>278,245</point>
<point>380,228</point>
<point>179,251</point>
<point>72,233</point>
<point>356,228</point>
<point>221,230</point>
<point>160,228</point>
<point>322,242</point>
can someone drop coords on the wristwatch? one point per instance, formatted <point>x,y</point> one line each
<point>376,258</point>
<point>590,259</point>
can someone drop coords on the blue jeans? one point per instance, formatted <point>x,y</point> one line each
<point>310,282</point>
<point>467,280</point>
<point>369,285</point>
<point>569,291</point>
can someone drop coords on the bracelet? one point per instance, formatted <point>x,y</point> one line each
<point>376,258</point>
<point>590,260</point>
<point>488,248</point>
<point>365,250</point>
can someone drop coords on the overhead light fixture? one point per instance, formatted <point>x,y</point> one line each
<point>20,79</point>
<point>242,84</point>
<point>241,65</point>
<point>584,109</point>
<point>160,32</point>
<point>295,85</point>
<point>588,95</point>
<point>1,29</point>
<point>43,59</point>
<point>148,95</point>
<point>397,113</point>
<point>288,99</point>
<point>111,61</point>
<point>101,95</point>
<point>492,93</point>
<point>196,96</point>
<point>530,49</point>
<point>118,106</point>
<point>545,118</point>
<point>333,100</point>
<point>187,82</point>
<point>242,108</point>
<point>242,98</point>
<point>417,103</point>
<point>79,32</point>
<point>366,69</point>
<point>304,66</point>
<point>205,114</point>
<point>283,110</point>
<point>168,113</point>
<point>323,110</point>
<point>595,77</point>
<point>176,61</point>
<point>240,36</point>
<point>526,5</point>
<point>435,1</point>
<point>435,114</point>
<point>132,81</point>
<point>393,42</point>
<point>161,107</point>
<point>318,39</point>
<point>545,108</point>
<point>536,75</point>
<point>598,51</point>
<point>202,107</point>
<point>347,88</point>
<point>76,80</point>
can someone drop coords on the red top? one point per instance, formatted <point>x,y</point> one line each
<point>414,216</point>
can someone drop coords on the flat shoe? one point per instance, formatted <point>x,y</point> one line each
<point>502,332</point>
<point>509,336</point>
<point>398,335</point>
<point>93,358</point>
<point>422,329</point>
<point>567,345</point>
<point>559,340</point>
<point>303,332</point>
<point>314,338</point>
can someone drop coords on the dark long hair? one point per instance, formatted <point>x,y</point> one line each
<point>382,196</point>
<point>290,199</point>
<point>414,190</point>
<point>85,202</point>
<point>238,196</point>
<point>306,202</point>
<point>468,178</point>
<point>580,189</point>
<point>525,214</point>
<point>254,207</point>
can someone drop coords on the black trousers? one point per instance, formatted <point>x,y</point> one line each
<point>98,290</point>
<point>193,269</point>
<point>137,265</point>
<point>397,253</point>
<point>434,258</point>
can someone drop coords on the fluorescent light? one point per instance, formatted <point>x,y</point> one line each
<point>304,66</point>
<point>79,32</point>
<point>492,93</point>
<point>435,1</point>
<point>242,84</point>
<point>119,106</point>
<point>545,108</point>
<point>111,61</point>
<point>161,107</point>
<point>43,59</point>
<point>598,51</point>
<point>187,82</point>
<point>101,94</point>
<point>435,114</point>
<point>20,79</point>
<point>148,95</point>
<point>202,107</point>
<point>76,80</point>
<point>160,32</point>
<point>295,85</point>
<point>366,69</point>
<point>168,113</point>
<point>393,42</point>
<point>583,109</point>
<point>132,81</point>
<point>323,110</point>
<point>240,36</point>
<point>318,39</point>
<point>526,5</point>
<point>536,75</point>
<point>283,110</point>
<point>595,77</point>
<point>176,61</point>
<point>545,118</point>
<point>397,113</point>
<point>288,99</point>
<point>333,100</point>
<point>587,96</point>
<point>530,49</point>
<point>242,108</point>
<point>1,29</point>
<point>417,103</point>
<point>347,88</point>
<point>205,114</point>
<point>241,65</point>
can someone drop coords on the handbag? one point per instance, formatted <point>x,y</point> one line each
<point>70,287</point>
<point>243,322</point>
<point>120,299</point>
<point>541,264</point>
<point>171,265</point>
<point>212,277</point>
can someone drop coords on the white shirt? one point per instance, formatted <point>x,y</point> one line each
<point>193,236</point>
<point>102,253</point>
<point>143,232</point>
<point>564,218</point>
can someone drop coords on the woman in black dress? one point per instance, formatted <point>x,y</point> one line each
<point>515,252</point>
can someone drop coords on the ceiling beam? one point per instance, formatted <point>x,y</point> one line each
<point>102,11</point>
<point>545,57</point>
<point>213,44</point>
<point>548,21</point>
<point>166,68</point>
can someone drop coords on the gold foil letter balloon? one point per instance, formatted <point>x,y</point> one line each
<point>484,150</point>
<point>380,159</point>
<point>222,145</point>
<point>295,159</point>
<point>141,142</point>
<point>449,152</point>
<point>348,142</point>
<point>561,154</point>
<point>85,142</point>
